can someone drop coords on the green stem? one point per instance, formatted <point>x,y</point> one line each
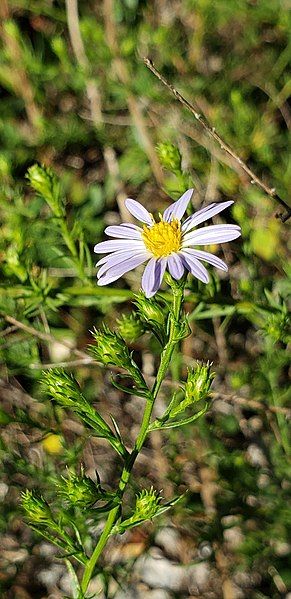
<point>70,243</point>
<point>178,295</point>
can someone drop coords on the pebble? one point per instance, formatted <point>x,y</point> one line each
<point>3,491</point>
<point>51,576</point>
<point>233,537</point>
<point>160,573</point>
<point>255,456</point>
<point>169,540</point>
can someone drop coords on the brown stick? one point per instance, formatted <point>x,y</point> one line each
<point>224,146</point>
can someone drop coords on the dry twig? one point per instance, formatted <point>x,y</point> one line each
<point>223,145</point>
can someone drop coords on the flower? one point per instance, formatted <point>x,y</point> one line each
<point>166,244</point>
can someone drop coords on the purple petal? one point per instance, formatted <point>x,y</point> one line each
<point>121,231</point>
<point>105,247</point>
<point>121,254</point>
<point>153,276</point>
<point>175,266</point>
<point>204,214</point>
<point>139,211</point>
<point>211,234</point>
<point>196,268</point>
<point>206,257</point>
<point>131,226</point>
<point>119,258</point>
<point>178,208</point>
<point>120,269</point>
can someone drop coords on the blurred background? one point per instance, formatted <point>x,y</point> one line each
<point>76,96</point>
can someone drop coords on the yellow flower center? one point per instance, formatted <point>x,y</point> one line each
<point>163,238</point>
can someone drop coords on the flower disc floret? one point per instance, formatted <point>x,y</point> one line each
<point>162,239</point>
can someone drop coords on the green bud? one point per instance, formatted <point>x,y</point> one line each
<point>147,504</point>
<point>130,327</point>
<point>197,387</point>
<point>150,310</point>
<point>169,156</point>
<point>110,348</point>
<point>44,181</point>
<point>35,507</point>
<point>63,388</point>
<point>78,489</point>
<point>198,382</point>
<point>277,327</point>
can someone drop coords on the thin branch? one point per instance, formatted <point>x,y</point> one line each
<point>43,336</point>
<point>223,145</point>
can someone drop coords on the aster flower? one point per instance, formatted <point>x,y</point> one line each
<point>166,244</point>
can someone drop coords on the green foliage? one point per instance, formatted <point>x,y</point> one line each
<point>210,51</point>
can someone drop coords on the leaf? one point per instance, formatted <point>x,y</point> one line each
<point>176,423</point>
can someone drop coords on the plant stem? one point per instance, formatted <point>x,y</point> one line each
<point>178,296</point>
<point>71,245</point>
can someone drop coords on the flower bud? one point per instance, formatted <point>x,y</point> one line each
<point>44,181</point>
<point>198,383</point>
<point>63,388</point>
<point>146,507</point>
<point>110,348</point>
<point>78,489</point>
<point>196,388</point>
<point>35,507</point>
<point>169,156</point>
<point>150,310</point>
<point>130,327</point>
<point>147,504</point>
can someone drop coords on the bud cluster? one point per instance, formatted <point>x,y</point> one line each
<point>64,389</point>
<point>110,348</point>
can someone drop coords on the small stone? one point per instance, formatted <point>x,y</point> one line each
<point>231,520</point>
<point>281,548</point>
<point>205,550</point>
<point>158,572</point>
<point>263,481</point>
<point>47,549</point>
<point>198,577</point>
<point>255,456</point>
<point>169,540</point>
<point>51,576</point>
<point>157,594</point>
<point>15,557</point>
<point>233,537</point>
<point>3,491</point>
